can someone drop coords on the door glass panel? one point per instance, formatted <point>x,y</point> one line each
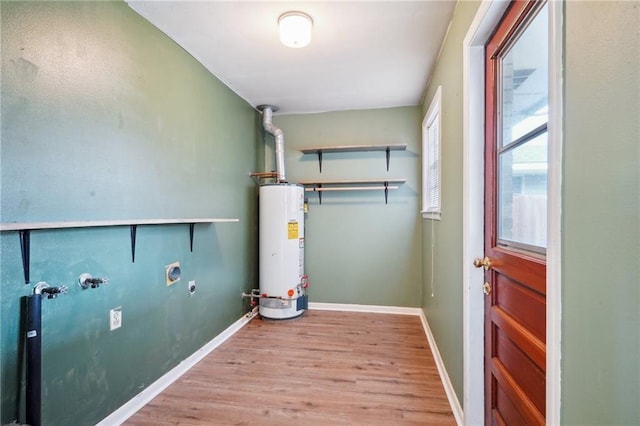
<point>524,81</point>
<point>522,144</point>
<point>522,198</point>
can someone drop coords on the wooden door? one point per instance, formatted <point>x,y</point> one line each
<point>515,216</point>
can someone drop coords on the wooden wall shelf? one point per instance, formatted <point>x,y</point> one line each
<point>24,230</point>
<point>321,186</point>
<point>19,226</point>
<point>319,150</point>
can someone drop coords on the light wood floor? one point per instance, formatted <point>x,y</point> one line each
<point>325,368</point>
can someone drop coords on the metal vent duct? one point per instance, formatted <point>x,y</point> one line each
<point>267,122</point>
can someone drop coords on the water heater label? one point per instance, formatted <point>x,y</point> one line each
<point>292,230</point>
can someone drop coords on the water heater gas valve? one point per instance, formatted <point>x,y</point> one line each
<point>304,281</point>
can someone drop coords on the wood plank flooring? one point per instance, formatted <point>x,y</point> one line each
<point>325,368</point>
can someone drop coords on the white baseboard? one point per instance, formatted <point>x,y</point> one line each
<point>444,376</point>
<point>376,309</point>
<point>143,398</point>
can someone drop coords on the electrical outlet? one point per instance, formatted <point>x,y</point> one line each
<point>192,287</point>
<point>115,318</point>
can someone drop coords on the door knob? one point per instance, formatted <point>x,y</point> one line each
<point>486,288</point>
<point>482,263</point>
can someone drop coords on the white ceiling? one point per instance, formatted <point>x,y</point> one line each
<point>362,54</point>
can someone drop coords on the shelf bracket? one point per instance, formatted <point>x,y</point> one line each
<point>191,226</point>
<point>388,151</point>
<point>25,250</point>
<point>386,192</point>
<point>320,160</point>
<point>134,228</point>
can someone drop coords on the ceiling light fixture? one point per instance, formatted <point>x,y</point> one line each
<point>295,29</point>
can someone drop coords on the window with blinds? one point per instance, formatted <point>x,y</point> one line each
<point>431,207</point>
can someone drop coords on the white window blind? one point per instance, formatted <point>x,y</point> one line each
<point>431,185</point>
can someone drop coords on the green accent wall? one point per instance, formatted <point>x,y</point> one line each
<point>104,117</point>
<point>601,215</point>
<point>357,248</point>
<point>442,240</point>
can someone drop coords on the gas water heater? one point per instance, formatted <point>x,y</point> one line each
<point>283,282</point>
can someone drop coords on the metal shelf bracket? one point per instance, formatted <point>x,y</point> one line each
<point>25,250</point>
<point>386,192</point>
<point>191,227</point>
<point>388,151</point>
<point>134,229</point>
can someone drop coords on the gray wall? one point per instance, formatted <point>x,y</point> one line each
<point>103,117</point>
<point>359,250</point>
<point>600,219</point>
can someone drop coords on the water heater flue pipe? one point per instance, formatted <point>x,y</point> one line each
<point>267,122</point>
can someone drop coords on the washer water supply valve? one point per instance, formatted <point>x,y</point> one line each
<point>86,280</point>
<point>43,288</point>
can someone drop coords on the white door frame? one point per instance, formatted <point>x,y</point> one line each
<point>486,19</point>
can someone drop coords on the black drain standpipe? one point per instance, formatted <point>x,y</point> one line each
<point>34,349</point>
<point>34,358</point>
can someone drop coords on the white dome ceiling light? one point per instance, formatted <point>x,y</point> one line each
<point>295,29</point>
